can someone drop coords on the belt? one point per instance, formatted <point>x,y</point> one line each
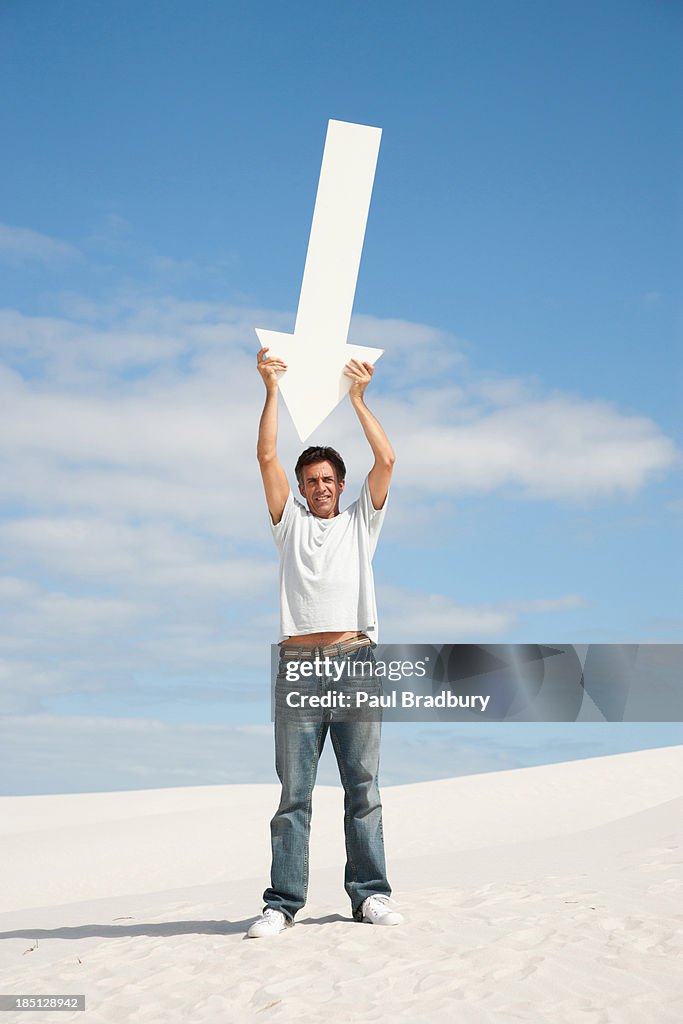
<point>331,651</point>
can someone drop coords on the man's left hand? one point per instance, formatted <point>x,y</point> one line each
<point>360,375</point>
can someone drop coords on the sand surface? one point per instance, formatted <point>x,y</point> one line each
<point>547,895</point>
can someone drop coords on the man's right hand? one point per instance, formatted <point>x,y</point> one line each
<point>269,367</point>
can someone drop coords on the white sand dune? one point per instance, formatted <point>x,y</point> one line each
<point>547,895</point>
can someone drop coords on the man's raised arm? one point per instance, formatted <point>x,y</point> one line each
<point>379,477</point>
<point>274,477</point>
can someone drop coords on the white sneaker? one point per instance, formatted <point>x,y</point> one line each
<point>271,922</point>
<point>378,909</point>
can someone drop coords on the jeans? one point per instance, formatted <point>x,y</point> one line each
<point>299,742</point>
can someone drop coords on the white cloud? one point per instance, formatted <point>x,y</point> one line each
<point>45,753</point>
<point>413,353</point>
<point>179,407</point>
<point>125,602</point>
<point>554,447</point>
<point>144,557</point>
<point>135,534</point>
<point>434,618</point>
<point>20,245</point>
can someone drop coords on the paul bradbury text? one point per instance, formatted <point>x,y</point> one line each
<point>405,699</point>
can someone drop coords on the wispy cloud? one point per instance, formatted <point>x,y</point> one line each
<point>135,535</point>
<point>87,753</point>
<point>22,245</point>
<point>557,446</point>
<point>429,618</point>
<point>151,414</point>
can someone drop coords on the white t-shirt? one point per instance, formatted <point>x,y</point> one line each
<point>326,581</point>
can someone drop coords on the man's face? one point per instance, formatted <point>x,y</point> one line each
<point>321,489</point>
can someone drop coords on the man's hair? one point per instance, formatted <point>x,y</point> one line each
<point>320,453</point>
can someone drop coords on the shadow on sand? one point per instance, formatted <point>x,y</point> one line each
<point>162,929</point>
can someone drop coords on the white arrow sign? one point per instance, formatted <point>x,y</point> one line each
<point>317,352</point>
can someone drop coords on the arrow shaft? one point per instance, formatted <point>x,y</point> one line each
<point>337,232</point>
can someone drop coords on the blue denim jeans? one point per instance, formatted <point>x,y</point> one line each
<point>298,745</point>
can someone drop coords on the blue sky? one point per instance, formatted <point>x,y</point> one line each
<point>521,270</point>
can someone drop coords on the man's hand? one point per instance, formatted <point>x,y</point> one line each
<point>360,375</point>
<point>269,367</point>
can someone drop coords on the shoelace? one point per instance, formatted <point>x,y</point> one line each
<point>385,903</point>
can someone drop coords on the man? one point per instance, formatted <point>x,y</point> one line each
<point>327,610</point>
